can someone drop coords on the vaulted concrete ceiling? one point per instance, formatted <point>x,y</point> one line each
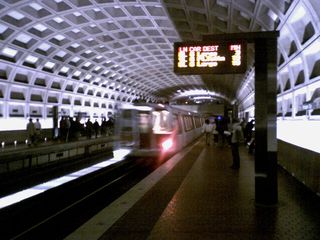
<point>84,52</point>
<point>194,19</point>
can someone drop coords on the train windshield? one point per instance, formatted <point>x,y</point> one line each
<point>162,122</point>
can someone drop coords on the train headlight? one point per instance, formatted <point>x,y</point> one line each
<point>167,144</point>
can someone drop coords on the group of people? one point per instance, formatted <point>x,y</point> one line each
<point>72,129</point>
<point>33,131</point>
<point>217,129</point>
<point>235,134</point>
<point>105,129</point>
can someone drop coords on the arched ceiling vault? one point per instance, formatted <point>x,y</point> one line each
<point>104,49</point>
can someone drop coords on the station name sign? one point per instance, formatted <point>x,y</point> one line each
<point>210,57</point>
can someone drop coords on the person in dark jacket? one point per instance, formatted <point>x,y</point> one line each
<point>89,128</point>
<point>96,127</point>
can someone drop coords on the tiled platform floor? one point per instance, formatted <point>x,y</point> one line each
<point>202,198</point>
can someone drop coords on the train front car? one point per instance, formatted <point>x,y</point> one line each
<point>146,130</point>
<point>164,130</point>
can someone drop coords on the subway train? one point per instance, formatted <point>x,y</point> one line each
<point>156,130</point>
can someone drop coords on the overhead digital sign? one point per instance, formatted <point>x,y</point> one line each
<point>222,57</point>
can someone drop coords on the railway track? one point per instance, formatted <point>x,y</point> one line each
<point>59,211</point>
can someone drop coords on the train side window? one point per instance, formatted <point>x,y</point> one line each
<point>162,121</point>
<point>176,123</point>
<point>197,121</point>
<point>188,123</point>
<point>191,123</point>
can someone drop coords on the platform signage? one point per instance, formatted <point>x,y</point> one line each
<point>223,57</point>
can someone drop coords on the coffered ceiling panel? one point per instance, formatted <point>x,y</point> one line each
<point>123,46</point>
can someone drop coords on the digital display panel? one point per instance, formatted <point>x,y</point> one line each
<point>210,57</point>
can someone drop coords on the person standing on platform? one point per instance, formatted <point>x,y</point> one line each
<point>236,139</point>
<point>110,126</point>
<point>67,128</point>
<point>207,129</point>
<point>248,131</point>
<point>37,126</point>
<point>96,127</point>
<point>221,127</point>
<point>215,133</point>
<point>103,130</point>
<point>31,132</point>
<point>89,128</point>
<point>63,128</point>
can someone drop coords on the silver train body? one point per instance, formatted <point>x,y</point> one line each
<point>155,130</point>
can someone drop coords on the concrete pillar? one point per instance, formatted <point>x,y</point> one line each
<point>235,110</point>
<point>266,186</point>
<point>55,119</point>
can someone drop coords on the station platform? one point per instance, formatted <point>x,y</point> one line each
<point>196,195</point>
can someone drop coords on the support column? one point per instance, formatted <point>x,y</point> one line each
<point>235,111</point>
<point>266,185</point>
<point>55,130</point>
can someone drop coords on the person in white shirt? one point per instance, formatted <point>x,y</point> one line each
<point>37,126</point>
<point>31,132</point>
<point>207,129</point>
